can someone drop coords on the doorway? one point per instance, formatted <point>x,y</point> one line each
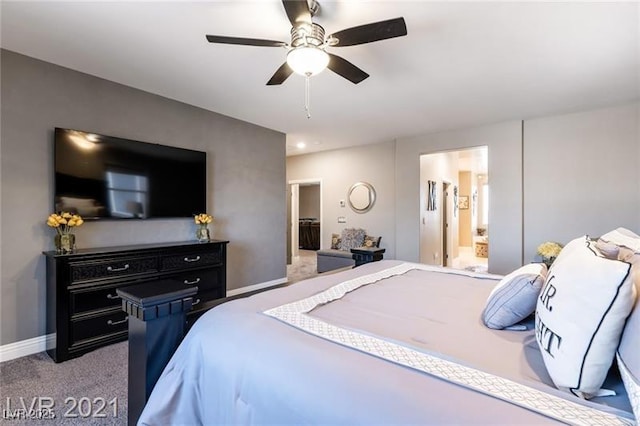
<point>454,217</point>
<point>305,228</point>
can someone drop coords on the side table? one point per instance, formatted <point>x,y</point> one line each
<point>364,255</point>
<point>157,318</point>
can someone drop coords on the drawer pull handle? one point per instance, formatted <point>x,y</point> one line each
<point>112,296</point>
<point>112,269</point>
<point>196,281</point>
<point>196,302</point>
<point>192,259</point>
<point>110,322</point>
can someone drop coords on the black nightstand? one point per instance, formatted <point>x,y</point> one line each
<point>364,255</point>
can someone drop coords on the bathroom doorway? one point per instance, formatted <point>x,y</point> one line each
<point>454,217</point>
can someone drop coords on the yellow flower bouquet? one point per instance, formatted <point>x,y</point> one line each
<point>549,251</point>
<point>64,223</point>
<point>203,219</point>
<point>202,232</point>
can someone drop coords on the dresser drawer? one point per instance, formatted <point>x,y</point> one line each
<point>93,270</point>
<point>90,299</point>
<point>190,260</point>
<point>204,279</point>
<point>94,327</point>
<point>205,296</point>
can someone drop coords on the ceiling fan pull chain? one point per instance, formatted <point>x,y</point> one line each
<point>307,102</point>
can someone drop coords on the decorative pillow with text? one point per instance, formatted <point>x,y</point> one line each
<point>580,315</point>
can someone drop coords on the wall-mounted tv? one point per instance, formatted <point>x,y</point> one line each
<point>104,177</point>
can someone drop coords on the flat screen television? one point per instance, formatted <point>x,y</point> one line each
<point>104,177</point>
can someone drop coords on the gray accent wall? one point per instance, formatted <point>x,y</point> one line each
<point>246,180</point>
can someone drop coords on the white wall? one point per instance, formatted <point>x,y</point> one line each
<point>504,143</point>
<point>581,175</point>
<point>577,173</point>
<point>339,170</point>
<point>465,230</point>
<point>438,167</point>
<point>309,201</point>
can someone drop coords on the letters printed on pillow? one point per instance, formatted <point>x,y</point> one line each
<point>514,297</point>
<point>580,314</point>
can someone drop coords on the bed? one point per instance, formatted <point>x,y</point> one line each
<point>388,342</point>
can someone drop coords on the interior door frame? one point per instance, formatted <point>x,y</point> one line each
<point>295,211</point>
<point>447,218</point>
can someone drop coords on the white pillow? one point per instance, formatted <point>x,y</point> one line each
<point>623,237</point>
<point>514,297</point>
<point>628,354</point>
<point>580,314</point>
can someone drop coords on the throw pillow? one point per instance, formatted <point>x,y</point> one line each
<point>608,250</point>
<point>623,237</point>
<point>352,238</point>
<point>514,297</point>
<point>370,241</point>
<point>628,358</point>
<point>335,241</point>
<point>627,355</point>
<point>580,314</point>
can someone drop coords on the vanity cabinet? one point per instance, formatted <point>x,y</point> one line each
<point>83,308</point>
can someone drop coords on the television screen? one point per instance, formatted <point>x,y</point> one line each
<point>99,176</point>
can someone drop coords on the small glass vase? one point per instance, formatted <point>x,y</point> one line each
<point>548,260</point>
<point>202,234</point>
<point>65,243</point>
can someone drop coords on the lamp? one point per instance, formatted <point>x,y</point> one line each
<point>307,60</point>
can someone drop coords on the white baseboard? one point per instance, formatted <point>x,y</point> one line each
<point>27,347</point>
<point>255,287</point>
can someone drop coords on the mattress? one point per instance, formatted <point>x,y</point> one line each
<point>241,365</point>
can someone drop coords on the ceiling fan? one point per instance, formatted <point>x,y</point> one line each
<point>307,53</point>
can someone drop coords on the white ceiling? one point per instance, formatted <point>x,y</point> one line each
<point>462,64</point>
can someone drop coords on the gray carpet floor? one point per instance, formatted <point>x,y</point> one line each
<point>91,382</point>
<point>78,387</point>
<point>302,267</point>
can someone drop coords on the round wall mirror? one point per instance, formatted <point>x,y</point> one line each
<point>361,197</point>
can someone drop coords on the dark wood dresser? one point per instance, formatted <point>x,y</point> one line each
<point>83,308</point>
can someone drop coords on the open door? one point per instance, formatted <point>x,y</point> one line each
<point>446,224</point>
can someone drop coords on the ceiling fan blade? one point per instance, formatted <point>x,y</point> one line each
<point>297,11</point>
<point>346,69</point>
<point>245,41</point>
<point>371,32</point>
<point>280,75</point>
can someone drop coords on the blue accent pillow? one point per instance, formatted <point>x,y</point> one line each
<point>515,296</point>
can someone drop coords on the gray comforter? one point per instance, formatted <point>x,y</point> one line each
<point>240,366</point>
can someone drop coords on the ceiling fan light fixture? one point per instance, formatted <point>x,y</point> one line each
<point>307,60</point>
